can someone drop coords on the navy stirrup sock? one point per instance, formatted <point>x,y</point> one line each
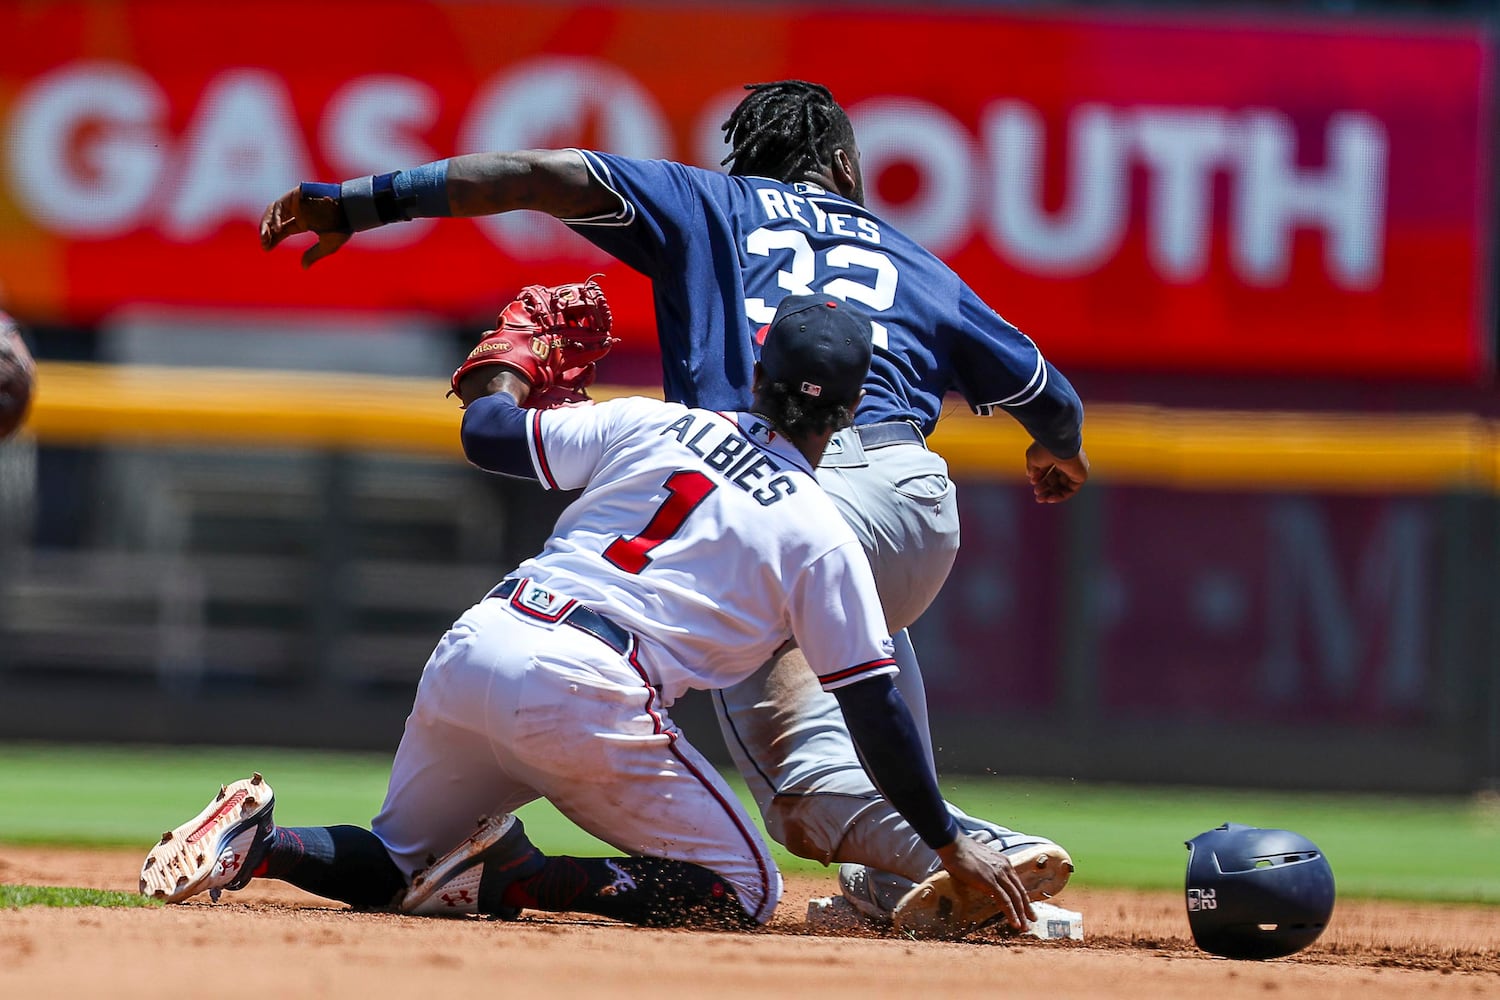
<point>347,863</point>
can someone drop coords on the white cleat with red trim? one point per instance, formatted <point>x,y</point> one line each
<point>216,850</point>
<point>449,887</point>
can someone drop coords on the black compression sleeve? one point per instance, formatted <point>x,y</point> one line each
<point>885,734</point>
<point>494,436</point>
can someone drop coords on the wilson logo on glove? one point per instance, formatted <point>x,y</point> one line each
<point>551,337</point>
<point>492,347</point>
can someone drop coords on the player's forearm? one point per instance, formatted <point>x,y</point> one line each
<point>554,181</point>
<point>1054,417</point>
<point>890,748</point>
<point>494,436</point>
<point>543,180</point>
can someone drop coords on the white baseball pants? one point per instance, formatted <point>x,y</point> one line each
<point>511,709</point>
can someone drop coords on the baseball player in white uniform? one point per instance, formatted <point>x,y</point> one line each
<point>700,544</point>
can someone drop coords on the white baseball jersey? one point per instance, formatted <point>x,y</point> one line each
<point>733,548</point>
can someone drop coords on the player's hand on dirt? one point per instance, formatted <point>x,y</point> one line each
<point>1055,479</point>
<point>990,872</point>
<point>293,213</point>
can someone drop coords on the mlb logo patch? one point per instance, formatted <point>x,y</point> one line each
<point>760,431</point>
<point>1202,899</point>
<point>539,600</point>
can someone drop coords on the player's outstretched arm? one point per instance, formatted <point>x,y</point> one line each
<point>885,735</point>
<point>554,181</point>
<point>1054,479</point>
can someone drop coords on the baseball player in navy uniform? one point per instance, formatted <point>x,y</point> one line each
<point>700,544</point>
<point>722,252</point>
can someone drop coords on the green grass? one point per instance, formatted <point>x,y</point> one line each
<point>1440,849</point>
<point>13,897</point>
<point>1389,847</point>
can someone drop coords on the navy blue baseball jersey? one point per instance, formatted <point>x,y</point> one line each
<point>723,251</point>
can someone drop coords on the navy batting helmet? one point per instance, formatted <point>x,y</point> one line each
<point>1254,893</point>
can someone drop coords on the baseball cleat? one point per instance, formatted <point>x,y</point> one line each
<point>216,849</point>
<point>942,907</point>
<point>875,893</point>
<point>497,854</point>
<point>871,892</point>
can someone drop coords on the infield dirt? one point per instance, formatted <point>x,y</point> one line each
<point>272,940</point>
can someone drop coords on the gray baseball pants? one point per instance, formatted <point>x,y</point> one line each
<point>788,736</point>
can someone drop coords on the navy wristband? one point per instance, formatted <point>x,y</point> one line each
<point>317,189</point>
<point>370,202</point>
<point>380,199</point>
<point>423,191</point>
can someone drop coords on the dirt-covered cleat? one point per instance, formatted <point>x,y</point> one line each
<point>944,908</point>
<point>871,892</point>
<point>216,850</point>
<point>497,853</point>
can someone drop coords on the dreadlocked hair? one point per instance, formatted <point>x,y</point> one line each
<point>785,130</point>
<point>797,415</point>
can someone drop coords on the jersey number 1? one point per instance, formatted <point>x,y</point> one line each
<point>686,490</point>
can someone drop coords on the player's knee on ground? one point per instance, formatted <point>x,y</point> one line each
<point>810,826</point>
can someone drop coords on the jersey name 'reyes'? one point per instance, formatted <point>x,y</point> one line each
<point>787,205</point>
<point>705,534</point>
<point>723,251</point>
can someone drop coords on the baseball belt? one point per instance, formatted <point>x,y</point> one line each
<point>888,433</point>
<point>584,619</point>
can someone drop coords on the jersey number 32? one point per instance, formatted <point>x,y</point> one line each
<point>876,293</point>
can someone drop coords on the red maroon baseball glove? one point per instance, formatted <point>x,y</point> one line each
<point>551,337</point>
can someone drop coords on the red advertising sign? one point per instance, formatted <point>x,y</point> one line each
<point>1312,610</point>
<point>1304,197</point>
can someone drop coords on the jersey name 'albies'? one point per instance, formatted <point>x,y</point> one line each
<point>711,497</point>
